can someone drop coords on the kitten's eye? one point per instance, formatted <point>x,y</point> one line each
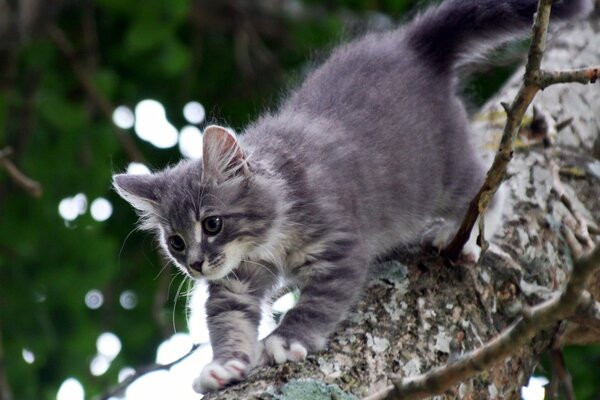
<point>176,242</point>
<point>212,225</point>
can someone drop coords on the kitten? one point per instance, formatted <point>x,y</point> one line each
<point>368,154</point>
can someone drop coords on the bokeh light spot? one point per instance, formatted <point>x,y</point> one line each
<point>135,168</point>
<point>125,373</point>
<point>128,299</point>
<point>28,356</point>
<point>108,345</point>
<point>173,348</point>
<point>101,209</point>
<point>70,208</point>
<point>123,117</point>
<point>71,389</point>
<point>151,124</point>
<point>99,365</point>
<point>94,299</point>
<point>194,112</point>
<point>190,142</point>
<point>535,388</point>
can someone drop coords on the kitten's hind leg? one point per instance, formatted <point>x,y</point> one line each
<point>331,289</point>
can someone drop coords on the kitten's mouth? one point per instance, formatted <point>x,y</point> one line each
<point>214,270</point>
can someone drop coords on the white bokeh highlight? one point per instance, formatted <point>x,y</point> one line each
<point>190,142</point>
<point>108,345</point>
<point>28,356</point>
<point>94,299</point>
<point>176,383</point>
<point>174,348</point>
<point>151,124</point>
<point>70,208</point>
<point>101,209</point>
<point>125,373</point>
<point>136,168</point>
<point>71,389</point>
<point>535,388</point>
<point>99,365</point>
<point>123,117</point>
<point>194,112</point>
<point>128,299</point>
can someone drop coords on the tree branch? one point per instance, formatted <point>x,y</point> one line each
<point>533,81</point>
<point>119,389</point>
<point>584,76</point>
<point>561,374</point>
<point>5,392</point>
<point>95,96</point>
<point>29,185</point>
<point>518,334</point>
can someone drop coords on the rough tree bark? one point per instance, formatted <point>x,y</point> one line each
<point>420,312</point>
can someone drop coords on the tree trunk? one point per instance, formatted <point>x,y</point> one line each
<point>420,312</point>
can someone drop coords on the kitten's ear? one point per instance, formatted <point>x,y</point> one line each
<point>222,156</point>
<point>141,191</point>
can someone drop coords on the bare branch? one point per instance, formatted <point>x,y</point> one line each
<point>120,388</point>
<point>584,76</point>
<point>518,334</point>
<point>561,373</point>
<point>95,96</point>
<point>5,391</point>
<point>24,182</point>
<point>588,315</point>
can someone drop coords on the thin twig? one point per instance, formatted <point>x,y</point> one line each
<point>584,76</point>
<point>533,81</point>
<point>562,374</point>
<point>95,96</point>
<point>6,152</point>
<point>588,315</point>
<point>32,187</point>
<point>5,391</point>
<point>581,229</point>
<point>518,334</point>
<point>118,390</point>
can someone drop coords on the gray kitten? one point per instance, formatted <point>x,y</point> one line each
<point>368,154</point>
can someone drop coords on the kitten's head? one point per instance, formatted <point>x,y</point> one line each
<point>209,214</point>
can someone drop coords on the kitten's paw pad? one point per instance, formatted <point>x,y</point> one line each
<point>216,375</point>
<point>279,351</point>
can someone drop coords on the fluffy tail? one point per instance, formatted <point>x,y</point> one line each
<point>444,34</point>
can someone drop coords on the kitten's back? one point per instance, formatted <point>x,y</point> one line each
<point>378,127</point>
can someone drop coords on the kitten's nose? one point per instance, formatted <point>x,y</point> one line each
<point>197,265</point>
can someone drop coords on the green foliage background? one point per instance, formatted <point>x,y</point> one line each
<point>235,59</point>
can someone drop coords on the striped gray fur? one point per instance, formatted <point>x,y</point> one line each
<point>370,153</point>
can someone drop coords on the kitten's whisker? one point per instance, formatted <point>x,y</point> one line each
<point>175,303</point>
<point>162,270</point>
<point>261,265</point>
<point>123,246</point>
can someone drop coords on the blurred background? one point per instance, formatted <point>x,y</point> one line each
<point>90,88</point>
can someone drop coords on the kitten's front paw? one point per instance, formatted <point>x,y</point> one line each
<point>217,375</point>
<point>279,350</point>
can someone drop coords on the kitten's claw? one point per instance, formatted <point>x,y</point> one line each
<point>277,349</point>
<point>216,375</point>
